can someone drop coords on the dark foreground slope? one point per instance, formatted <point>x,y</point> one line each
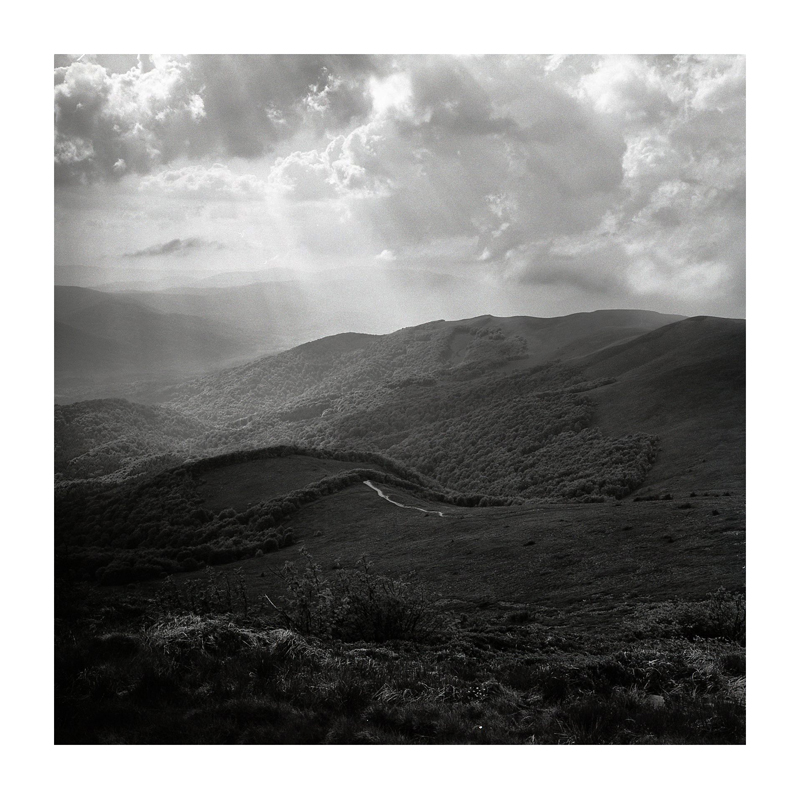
<point>538,621</point>
<point>617,623</point>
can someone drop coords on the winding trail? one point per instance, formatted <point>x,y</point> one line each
<point>410,507</point>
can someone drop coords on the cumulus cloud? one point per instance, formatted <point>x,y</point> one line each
<point>436,148</point>
<point>162,108</point>
<point>216,182</point>
<point>303,176</point>
<point>108,123</point>
<point>355,166</point>
<point>176,247</point>
<point>674,226</point>
<point>447,96</point>
<point>631,88</point>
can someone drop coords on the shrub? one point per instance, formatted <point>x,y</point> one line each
<point>722,615</point>
<point>356,604</point>
<point>216,593</point>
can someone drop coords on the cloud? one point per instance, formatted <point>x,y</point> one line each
<point>109,123</point>
<point>216,182</point>
<point>621,176</point>
<point>358,165</point>
<point>436,148</point>
<point>176,247</point>
<point>673,230</point>
<point>164,108</point>
<point>631,88</point>
<point>254,101</point>
<point>447,96</point>
<point>303,176</point>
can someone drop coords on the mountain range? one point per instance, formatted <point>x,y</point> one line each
<point>134,342</point>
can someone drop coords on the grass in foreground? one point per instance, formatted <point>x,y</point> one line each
<point>159,672</point>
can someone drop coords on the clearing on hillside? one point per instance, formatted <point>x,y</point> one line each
<point>241,485</point>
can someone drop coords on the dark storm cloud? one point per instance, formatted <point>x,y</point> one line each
<point>176,247</point>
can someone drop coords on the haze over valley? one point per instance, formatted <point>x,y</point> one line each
<point>130,343</point>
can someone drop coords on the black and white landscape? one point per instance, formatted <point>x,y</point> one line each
<point>400,399</point>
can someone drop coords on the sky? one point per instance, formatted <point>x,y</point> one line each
<point>560,183</point>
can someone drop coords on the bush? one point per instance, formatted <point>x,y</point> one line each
<point>356,605</point>
<point>722,615</point>
<point>271,544</point>
<point>221,592</point>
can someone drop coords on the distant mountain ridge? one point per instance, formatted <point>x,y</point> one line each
<point>101,336</point>
<point>327,367</point>
<point>160,337</point>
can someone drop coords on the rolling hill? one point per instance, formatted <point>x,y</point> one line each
<point>330,367</point>
<point>565,407</point>
<point>684,383</point>
<point>116,438</point>
<point>161,336</point>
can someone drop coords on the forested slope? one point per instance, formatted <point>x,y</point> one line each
<point>177,521</point>
<point>462,402</point>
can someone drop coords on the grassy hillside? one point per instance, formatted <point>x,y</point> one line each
<point>210,511</point>
<point>242,485</point>
<point>539,625</point>
<point>562,557</point>
<point>684,383</point>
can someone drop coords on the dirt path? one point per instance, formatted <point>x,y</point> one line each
<point>410,507</point>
